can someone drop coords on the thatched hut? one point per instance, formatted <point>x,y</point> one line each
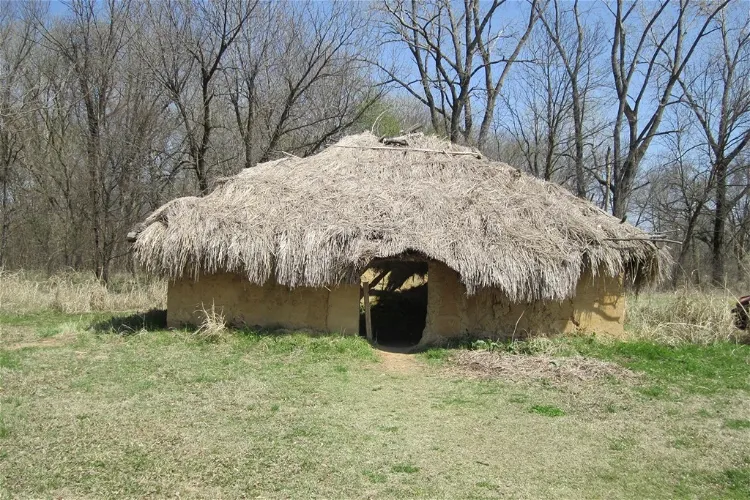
<point>286,243</point>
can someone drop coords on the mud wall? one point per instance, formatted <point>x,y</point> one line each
<point>598,306</point>
<point>269,305</point>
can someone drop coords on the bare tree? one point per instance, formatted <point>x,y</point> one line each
<point>739,224</point>
<point>679,191</point>
<point>18,40</point>
<point>651,45</point>
<point>92,46</point>
<point>578,44</point>
<point>539,109</point>
<point>450,44</point>
<point>717,90</point>
<point>247,61</point>
<point>192,39</point>
<point>114,109</point>
<point>317,84</point>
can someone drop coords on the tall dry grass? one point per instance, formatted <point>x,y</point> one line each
<point>75,292</point>
<point>700,317</point>
<point>666,317</point>
<point>213,327</point>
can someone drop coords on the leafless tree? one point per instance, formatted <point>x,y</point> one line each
<point>18,40</point>
<point>247,62</point>
<point>450,44</point>
<point>679,191</point>
<point>297,77</point>
<point>651,45</point>
<point>739,227</point>
<point>92,46</point>
<point>739,224</point>
<point>113,108</point>
<point>539,111</point>
<point>716,88</point>
<point>579,45</point>
<point>192,39</point>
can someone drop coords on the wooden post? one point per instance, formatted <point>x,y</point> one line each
<point>368,321</point>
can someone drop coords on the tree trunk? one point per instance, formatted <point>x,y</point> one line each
<point>5,221</point>
<point>624,177</point>
<point>200,161</point>
<point>687,244</point>
<point>92,146</point>
<point>578,131</point>
<point>720,215</point>
<point>4,157</point>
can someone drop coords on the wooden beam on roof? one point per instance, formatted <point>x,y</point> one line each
<point>379,278</point>
<point>398,258</point>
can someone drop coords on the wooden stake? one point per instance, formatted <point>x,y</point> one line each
<point>368,320</point>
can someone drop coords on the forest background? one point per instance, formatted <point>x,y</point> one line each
<point>110,108</point>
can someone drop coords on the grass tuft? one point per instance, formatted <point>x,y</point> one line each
<point>375,477</point>
<point>4,431</point>
<point>405,468</point>
<point>213,327</point>
<point>436,355</point>
<point>9,360</point>
<point>737,480</point>
<point>737,424</point>
<point>547,410</point>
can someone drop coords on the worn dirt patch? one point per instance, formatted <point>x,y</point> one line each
<point>519,367</point>
<point>48,342</point>
<point>399,362</point>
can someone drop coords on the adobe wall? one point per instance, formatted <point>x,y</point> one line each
<point>598,306</point>
<point>269,305</point>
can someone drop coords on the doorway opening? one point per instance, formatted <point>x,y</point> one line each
<point>397,293</point>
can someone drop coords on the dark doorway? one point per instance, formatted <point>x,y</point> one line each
<point>398,303</point>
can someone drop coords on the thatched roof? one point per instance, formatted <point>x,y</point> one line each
<point>321,220</point>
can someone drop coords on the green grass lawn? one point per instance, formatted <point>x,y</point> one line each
<point>86,413</point>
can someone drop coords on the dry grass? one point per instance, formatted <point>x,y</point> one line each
<point>74,293</point>
<point>213,327</point>
<point>164,415</point>
<point>685,316</point>
<point>525,367</point>
<point>85,413</point>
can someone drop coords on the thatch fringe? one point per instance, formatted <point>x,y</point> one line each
<point>321,220</point>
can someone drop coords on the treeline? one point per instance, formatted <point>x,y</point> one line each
<point>109,109</point>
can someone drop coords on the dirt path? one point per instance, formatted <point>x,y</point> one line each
<point>397,361</point>
<point>47,342</point>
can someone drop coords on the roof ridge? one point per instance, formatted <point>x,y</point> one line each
<point>475,154</point>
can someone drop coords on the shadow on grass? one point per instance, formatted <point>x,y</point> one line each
<point>155,319</point>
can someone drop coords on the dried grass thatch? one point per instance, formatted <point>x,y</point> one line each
<point>321,220</point>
